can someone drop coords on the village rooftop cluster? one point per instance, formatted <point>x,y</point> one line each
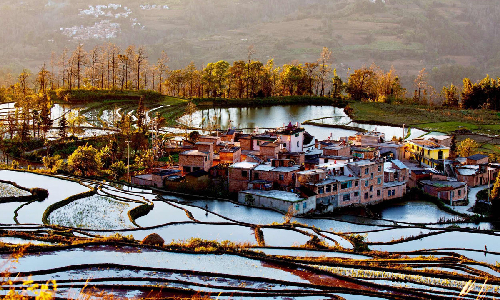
<point>286,167</point>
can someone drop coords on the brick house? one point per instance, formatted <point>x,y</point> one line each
<point>239,175</point>
<point>371,174</point>
<point>340,150</point>
<point>298,157</point>
<point>476,175</point>
<point>157,178</point>
<point>337,191</point>
<point>282,177</point>
<point>194,160</point>
<point>394,189</point>
<point>365,152</point>
<point>396,175</point>
<point>477,159</point>
<point>230,155</point>
<point>396,171</point>
<point>260,139</point>
<point>269,150</point>
<point>206,147</point>
<point>246,142</point>
<point>453,192</point>
<point>210,139</point>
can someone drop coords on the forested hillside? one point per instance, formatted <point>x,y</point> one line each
<point>452,39</point>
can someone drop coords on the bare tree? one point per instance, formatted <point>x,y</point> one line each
<point>140,59</point>
<point>324,68</point>
<point>162,69</point>
<point>78,61</point>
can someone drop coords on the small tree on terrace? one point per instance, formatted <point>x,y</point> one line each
<point>467,148</point>
<point>495,196</point>
<point>84,161</point>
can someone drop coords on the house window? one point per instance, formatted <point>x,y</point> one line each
<point>371,176</point>
<point>459,193</point>
<point>296,207</point>
<point>371,188</point>
<point>356,183</point>
<point>304,205</point>
<point>452,194</point>
<point>388,193</point>
<point>186,169</point>
<point>440,154</point>
<point>380,168</point>
<point>366,183</point>
<point>428,152</point>
<point>379,180</point>
<point>298,145</point>
<point>256,176</point>
<point>244,174</point>
<point>356,194</point>
<point>328,188</point>
<point>346,197</point>
<point>282,177</point>
<point>393,192</point>
<point>378,193</point>
<point>366,171</point>
<point>366,195</point>
<point>321,190</point>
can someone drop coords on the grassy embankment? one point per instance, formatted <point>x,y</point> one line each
<point>481,125</point>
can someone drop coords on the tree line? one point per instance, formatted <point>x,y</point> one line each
<point>108,67</point>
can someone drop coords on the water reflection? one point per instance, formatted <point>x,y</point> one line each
<point>274,116</point>
<point>415,212</point>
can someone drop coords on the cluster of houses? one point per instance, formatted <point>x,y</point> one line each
<point>287,170</point>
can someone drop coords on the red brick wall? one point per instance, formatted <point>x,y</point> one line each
<point>269,152</point>
<point>194,161</point>
<point>246,144</point>
<point>346,151</point>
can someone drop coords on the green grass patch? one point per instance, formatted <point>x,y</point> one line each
<point>448,127</point>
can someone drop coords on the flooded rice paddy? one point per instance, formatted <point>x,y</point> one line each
<point>94,241</point>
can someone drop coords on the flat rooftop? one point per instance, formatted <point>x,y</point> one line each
<point>275,194</point>
<point>244,165</point>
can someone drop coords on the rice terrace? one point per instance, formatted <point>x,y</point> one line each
<point>265,149</point>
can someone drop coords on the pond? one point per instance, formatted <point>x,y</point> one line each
<point>277,116</point>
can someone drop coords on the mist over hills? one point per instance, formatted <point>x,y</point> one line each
<point>451,38</point>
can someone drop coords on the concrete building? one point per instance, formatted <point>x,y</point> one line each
<point>292,137</point>
<point>279,200</point>
<point>371,174</point>
<point>428,152</point>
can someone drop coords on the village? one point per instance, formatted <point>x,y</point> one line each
<point>287,170</point>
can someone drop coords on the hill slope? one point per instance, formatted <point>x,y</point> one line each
<point>452,38</point>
